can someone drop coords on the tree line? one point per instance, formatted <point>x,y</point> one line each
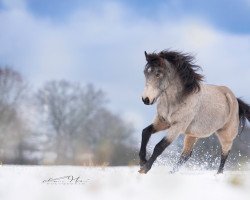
<point>61,122</point>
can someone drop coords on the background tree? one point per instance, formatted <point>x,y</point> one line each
<point>13,90</point>
<point>78,124</point>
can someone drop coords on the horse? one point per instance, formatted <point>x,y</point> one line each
<point>186,105</point>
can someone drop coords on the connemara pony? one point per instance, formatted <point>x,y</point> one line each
<point>186,105</point>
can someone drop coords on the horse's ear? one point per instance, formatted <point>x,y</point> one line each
<point>146,55</point>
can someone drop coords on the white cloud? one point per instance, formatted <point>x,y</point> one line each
<point>105,46</point>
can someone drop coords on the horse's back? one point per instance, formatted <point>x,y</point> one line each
<point>222,93</point>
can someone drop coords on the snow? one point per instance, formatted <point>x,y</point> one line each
<point>32,183</point>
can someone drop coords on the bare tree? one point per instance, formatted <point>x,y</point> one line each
<point>12,92</point>
<point>112,142</point>
<point>12,89</point>
<point>79,125</point>
<point>68,107</point>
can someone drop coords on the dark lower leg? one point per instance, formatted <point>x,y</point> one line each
<point>222,162</point>
<point>183,159</point>
<point>146,133</point>
<point>159,148</point>
<point>186,153</point>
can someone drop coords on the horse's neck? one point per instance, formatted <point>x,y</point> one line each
<point>169,100</point>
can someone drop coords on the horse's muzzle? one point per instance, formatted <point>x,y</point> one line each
<point>147,101</point>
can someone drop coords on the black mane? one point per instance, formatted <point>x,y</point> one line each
<point>184,66</point>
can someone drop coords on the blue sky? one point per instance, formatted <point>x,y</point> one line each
<point>229,15</point>
<point>102,42</point>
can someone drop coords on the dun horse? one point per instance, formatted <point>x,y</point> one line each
<point>186,105</point>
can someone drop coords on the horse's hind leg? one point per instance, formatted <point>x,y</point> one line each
<point>226,137</point>
<point>186,152</point>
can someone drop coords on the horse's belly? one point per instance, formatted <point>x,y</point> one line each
<point>205,125</point>
<point>199,133</point>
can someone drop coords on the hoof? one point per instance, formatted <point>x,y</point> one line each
<point>174,170</point>
<point>144,169</point>
<point>220,172</point>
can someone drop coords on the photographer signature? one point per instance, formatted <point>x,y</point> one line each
<point>66,180</point>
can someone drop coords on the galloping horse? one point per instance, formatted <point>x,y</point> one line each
<point>186,105</point>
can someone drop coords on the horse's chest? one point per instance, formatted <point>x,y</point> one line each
<point>164,114</point>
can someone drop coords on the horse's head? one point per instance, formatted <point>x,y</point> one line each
<point>170,68</point>
<point>155,73</point>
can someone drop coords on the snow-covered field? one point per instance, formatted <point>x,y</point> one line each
<point>73,183</point>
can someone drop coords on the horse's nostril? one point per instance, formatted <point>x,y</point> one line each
<point>146,100</point>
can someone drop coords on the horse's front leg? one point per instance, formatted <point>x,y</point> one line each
<point>173,132</point>
<point>146,134</point>
<point>159,148</point>
<point>158,125</point>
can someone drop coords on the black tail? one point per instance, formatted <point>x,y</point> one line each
<point>244,112</point>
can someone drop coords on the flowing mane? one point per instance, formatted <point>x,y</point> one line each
<point>184,66</point>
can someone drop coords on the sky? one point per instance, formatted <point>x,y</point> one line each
<point>103,43</point>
